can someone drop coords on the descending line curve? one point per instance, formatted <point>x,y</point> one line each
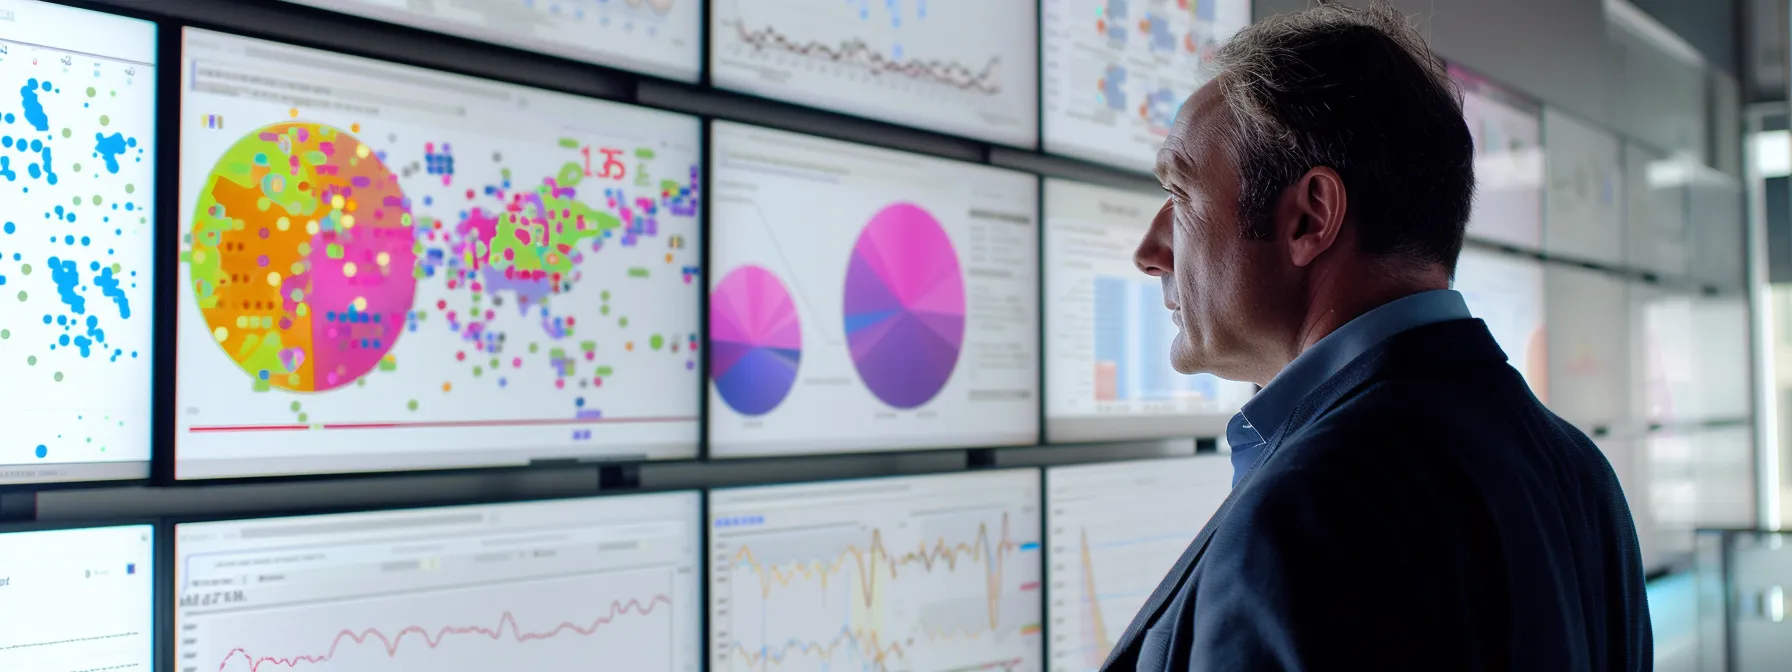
<point>392,643</point>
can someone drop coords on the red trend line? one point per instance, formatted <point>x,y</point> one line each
<point>495,633</point>
<point>857,52</point>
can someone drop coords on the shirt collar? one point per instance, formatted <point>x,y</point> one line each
<point>1263,416</point>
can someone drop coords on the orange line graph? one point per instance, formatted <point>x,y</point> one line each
<point>993,554</point>
<point>1095,630</point>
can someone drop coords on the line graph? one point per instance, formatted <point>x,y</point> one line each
<point>860,53</point>
<point>624,616</point>
<point>994,556</point>
<point>844,55</point>
<point>392,643</point>
<point>879,588</point>
<point>1106,559</point>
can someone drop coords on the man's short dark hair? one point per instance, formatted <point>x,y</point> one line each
<point>1358,91</point>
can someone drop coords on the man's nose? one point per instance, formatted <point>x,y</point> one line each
<point>1153,255</point>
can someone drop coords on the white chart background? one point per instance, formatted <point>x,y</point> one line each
<point>788,594</point>
<point>1506,292</point>
<point>1080,119</point>
<point>1091,232</point>
<point>93,407</point>
<point>1106,558</point>
<point>1585,199</point>
<point>1508,204</point>
<point>824,53</point>
<point>71,601</point>
<point>802,226</point>
<point>646,384</point>
<point>658,37</point>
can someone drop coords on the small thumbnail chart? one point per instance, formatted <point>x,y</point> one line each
<point>78,599</point>
<point>1106,558</point>
<point>914,573</point>
<point>1508,132</point>
<point>533,586</point>
<point>926,63</point>
<point>865,292</point>
<point>1118,71</point>
<point>400,275</point>
<point>77,242</point>
<point>1506,292</point>
<point>657,37</point>
<point>1108,334</point>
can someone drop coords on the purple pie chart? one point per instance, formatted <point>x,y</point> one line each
<point>756,341</point>
<point>904,306</point>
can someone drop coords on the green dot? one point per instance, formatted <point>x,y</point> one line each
<point>304,418</point>
<point>66,133</point>
<point>657,341</point>
<point>32,360</point>
<point>77,167</point>
<point>622,322</point>
<point>605,295</point>
<point>294,407</point>
<point>117,268</point>
<point>114,94</point>
<point>78,201</point>
<point>105,120</point>
<point>58,376</point>
<point>5,334</point>
<point>91,92</point>
<point>26,269</point>
<point>534,347</point>
<point>413,404</point>
<point>23,295</point>
<point>130,188</point>
<point>97,200</point>
<point>478,371</point>
<point>360,382</point>
<point>605,310</point>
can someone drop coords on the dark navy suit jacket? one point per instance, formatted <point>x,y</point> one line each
<point>1419,510</point>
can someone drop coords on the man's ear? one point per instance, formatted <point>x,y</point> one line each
<point>1310,214</point>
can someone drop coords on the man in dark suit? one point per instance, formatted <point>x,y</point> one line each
<point>1401,500</point>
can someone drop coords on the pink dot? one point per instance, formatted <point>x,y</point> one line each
<point>460,356</point>
<point>516,363</point>
<point>590,356</point>
<point>262,261</point>
<point>264,233</point>
<point>599,381</point>
<point>490,315</point>
<point>560,383</point>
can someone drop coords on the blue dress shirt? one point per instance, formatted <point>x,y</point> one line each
<point>1261,419</point>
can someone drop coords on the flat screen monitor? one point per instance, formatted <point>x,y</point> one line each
<point>1506,292</point>
<point>965,68</point>
<point>1588,346</point>
<point>1584,201</point>
<point>1108,335</point>
<point>1114,531</point>
<point>1507,128</point>
<point>1665,343</point>
<point>78,599</point>
<point>1117,71</point>
<point>865,299</point>
<point>1655,212</point>
<point>387,268</point>
<point>914,573</point>
<point>534,586</point>
<point>657,37</point>
<point>77,243</point>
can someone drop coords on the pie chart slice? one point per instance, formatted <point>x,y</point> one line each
<point>756,341</point>
<point>904,306</point>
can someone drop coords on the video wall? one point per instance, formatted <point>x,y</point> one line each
<point>352,265</point>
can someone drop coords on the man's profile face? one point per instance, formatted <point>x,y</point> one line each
<point>1213,278</point>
